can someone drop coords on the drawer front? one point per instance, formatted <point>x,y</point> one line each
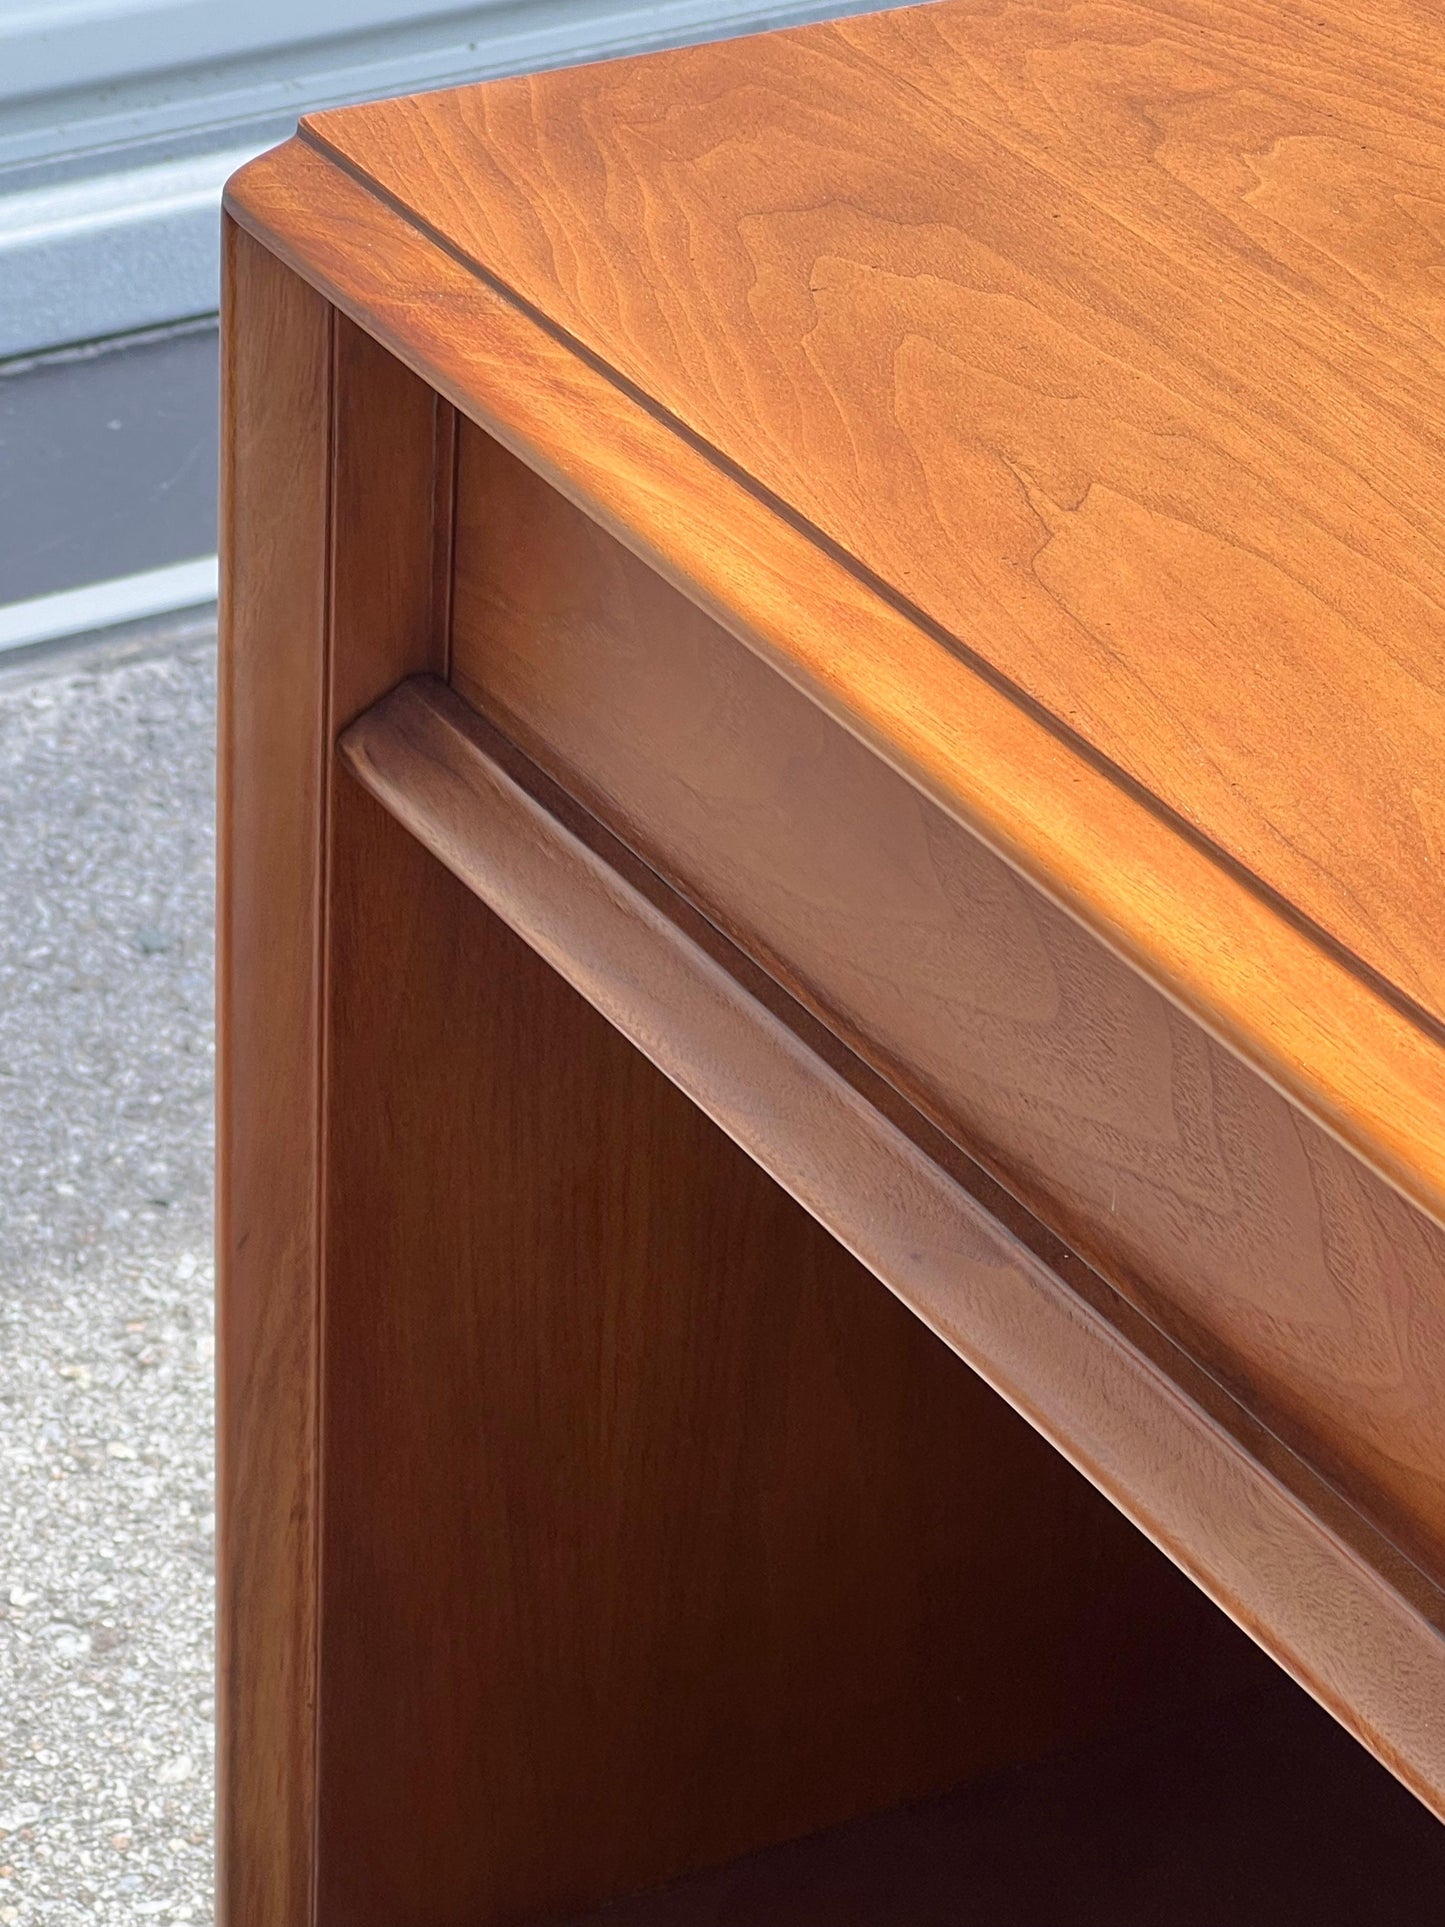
<point>1282,1264</point>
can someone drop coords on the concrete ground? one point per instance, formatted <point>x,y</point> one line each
<point>106,1507</point>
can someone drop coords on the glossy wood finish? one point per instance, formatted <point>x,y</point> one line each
<point>1339,1045</point>
<point>959,493</point>
<point>1294,1274</point>
<point>1248,1521</point>
<point>388,545</point>
<point>587,1513</point>
<point>654,1528</point>
<point>1074,351</point>
<point>276,366</point>
<point>313,408</point>
<point>388,548</point>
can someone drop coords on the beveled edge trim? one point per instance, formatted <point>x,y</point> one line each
<point>311,134</point>
<point>1300,1017</point>
<point>995,1285</point>
<point>277,355</point>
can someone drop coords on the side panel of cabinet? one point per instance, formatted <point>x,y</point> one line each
<point>332,548</point>
<point>655,1528</point>
<point>586,1514</point>
<point>276,450</point>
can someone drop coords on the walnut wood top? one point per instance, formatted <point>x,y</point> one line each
<point>1056,391</point>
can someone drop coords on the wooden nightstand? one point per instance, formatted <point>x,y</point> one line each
<point>833,671</point>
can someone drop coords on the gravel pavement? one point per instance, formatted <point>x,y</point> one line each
<point>106,1506</point>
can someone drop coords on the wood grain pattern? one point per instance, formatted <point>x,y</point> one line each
<point>1296,1275</point>
<point>313,409</point>
<point>388,545</point>
<point>1115,348</point>
<point>657,1530</point>
<point>977,531</point>
<point>1239,964</point>
<point>276,357</point>
<point>517,1611</point>
<point>1186,1463</point>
